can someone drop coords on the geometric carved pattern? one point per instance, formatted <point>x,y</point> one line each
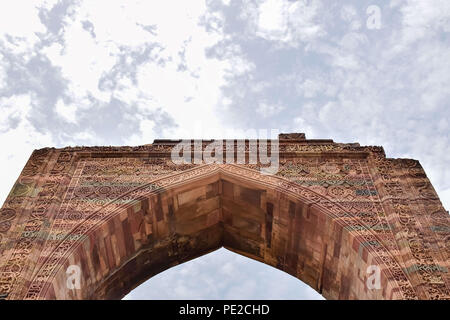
<point>124,214</point>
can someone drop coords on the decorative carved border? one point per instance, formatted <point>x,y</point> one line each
<point>405,196</point>
<point>51,265</point>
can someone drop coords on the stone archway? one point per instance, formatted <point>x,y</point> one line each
<point>122,215</point>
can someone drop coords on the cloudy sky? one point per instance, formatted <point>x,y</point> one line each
<point>127,72</point>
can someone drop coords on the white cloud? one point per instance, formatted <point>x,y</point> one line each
<point>422,20</point>
<point>273,17</point>
<point>18,139</point>
<point>445,198</point>
<point>2,72</point>
<point>146,133</point>
<point>175,75</point>
<point>348,13</point>
<point>268,110</point>
<point>310,88</point>
<point>421,15</point>
<point>352,41</point>
<point>67,111</point>
<point>19,23</point>
<point>288,22</point>
<point>82,61</point>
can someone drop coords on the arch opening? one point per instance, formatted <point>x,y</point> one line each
<point>223,274</point>
<point>244,215</point>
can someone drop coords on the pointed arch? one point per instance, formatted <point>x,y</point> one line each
<point>188,214</point>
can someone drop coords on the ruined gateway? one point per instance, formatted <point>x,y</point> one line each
<point>124,214</point>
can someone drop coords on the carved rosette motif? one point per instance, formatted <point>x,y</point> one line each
<point>63,194</point>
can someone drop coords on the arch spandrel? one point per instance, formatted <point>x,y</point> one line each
<point>345,187</point>
<point>309,198</point>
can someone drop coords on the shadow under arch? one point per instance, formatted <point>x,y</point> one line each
<point>187,215</point>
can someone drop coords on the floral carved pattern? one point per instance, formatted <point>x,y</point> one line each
<point>389,205</point>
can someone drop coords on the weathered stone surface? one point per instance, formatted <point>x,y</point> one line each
<point>124,214</point>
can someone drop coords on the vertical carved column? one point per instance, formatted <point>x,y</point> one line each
<point>430,230</point>
<point>39,190</point>
<point>412,207</point>
<point>17,209</point>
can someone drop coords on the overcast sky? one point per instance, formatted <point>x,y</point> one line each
<point>127,72</point>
